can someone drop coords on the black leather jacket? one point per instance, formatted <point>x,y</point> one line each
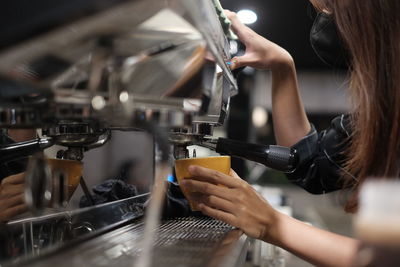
<point>321,157</point>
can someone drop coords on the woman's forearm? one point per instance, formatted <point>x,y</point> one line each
<point>289,117</point>
<point>319,247</point>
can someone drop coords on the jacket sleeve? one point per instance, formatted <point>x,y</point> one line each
<point>321,157</point>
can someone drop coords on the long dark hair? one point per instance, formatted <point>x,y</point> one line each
<point>371,31</point>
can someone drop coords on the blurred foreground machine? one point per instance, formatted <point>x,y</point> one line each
<point>80,70</point>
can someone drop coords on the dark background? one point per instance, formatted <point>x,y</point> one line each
<point>286,23</point>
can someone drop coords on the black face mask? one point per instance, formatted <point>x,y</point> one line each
<point>327,43</point>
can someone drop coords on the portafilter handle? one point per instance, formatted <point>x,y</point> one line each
<point>19,150</point>
<point>276,157</point>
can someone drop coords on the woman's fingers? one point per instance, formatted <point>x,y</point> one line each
<point>213,176</point>
<point>10,213</point>
<point>206,188</point>
<point>218,203</point>
<point>14,179</point>
<point>12,190</point>
<point>245,35</point>
<point>218,214</point>
<point>16,210</point>
<point>12,201</point>
<point>12,206</point>
<point>237,26</point>
<point>234,174</point>
<point>247,59</point>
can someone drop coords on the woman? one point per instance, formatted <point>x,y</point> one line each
<point>365,143</point>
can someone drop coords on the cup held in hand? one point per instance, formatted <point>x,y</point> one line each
<point>219,163</point>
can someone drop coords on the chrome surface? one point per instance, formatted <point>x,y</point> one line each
<point>20,116</point>
<point>209,143</point>
<point>24,240</point>
<point>38,184</point>
<point>103,139</point>
<point>75,133</point>
<point>59,197</point>
<point>204,129</point>
<point>199,133</point>
<point>14,151</point>
<point>181,152</point>
<point>122,64</point>
<point>180,242</point>
<point>165,118</point>
<point>72,153</point>
<point>132,55</point>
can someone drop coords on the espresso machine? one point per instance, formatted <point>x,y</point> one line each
<point>82,70</point>
<point>79,72</point>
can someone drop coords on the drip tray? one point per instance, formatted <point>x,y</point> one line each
<point>189,241</point>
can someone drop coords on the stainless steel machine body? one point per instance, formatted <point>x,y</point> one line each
<point>84,70</point>
<point>124,60</point>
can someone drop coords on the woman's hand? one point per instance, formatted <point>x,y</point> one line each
<point>260,52</point>
<point>289,117</point>
<point>237,204</point>
<point>12,201</point>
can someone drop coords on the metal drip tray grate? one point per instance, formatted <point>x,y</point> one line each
<point>180,242</point>
<point>188,242</point>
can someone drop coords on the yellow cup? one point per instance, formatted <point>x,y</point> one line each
<point>219,163</point>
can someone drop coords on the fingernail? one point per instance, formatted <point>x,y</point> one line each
<point>233,63</point>
<point>229,63</point>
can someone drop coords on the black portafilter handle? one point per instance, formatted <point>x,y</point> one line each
<point>15,151</point>
<point>276,157</point>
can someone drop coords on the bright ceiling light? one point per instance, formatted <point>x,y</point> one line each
<point>259,117</point>
<point>247,16</point>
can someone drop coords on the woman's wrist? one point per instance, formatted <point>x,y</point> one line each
<point>272,233</point>
<point>283,66</point>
